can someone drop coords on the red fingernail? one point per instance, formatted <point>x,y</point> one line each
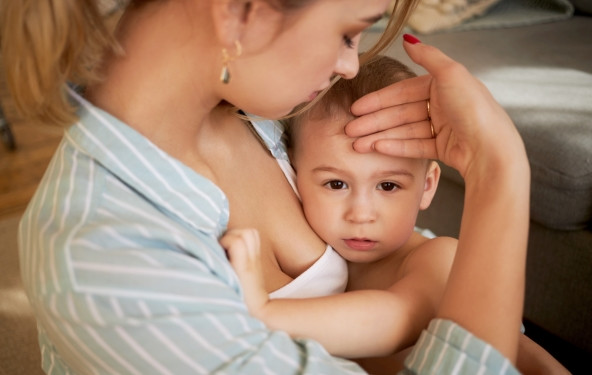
<point>411,39</point>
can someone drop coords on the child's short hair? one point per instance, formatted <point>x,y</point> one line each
<point>374,75</point>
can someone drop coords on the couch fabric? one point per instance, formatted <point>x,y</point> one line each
<point>439,15</point>
<point>542,75</point>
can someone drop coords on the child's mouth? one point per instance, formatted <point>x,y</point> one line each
<point>360,244</point>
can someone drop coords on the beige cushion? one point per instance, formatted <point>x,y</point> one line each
<point>435,15</point>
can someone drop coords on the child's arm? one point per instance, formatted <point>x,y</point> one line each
<point>354,324</point>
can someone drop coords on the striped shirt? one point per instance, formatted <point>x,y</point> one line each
<point>121,263</point>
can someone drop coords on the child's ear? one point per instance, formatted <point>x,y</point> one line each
<point>431,184</point>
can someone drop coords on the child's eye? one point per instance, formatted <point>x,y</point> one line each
<point>336,185</point>
<point>387,186</point>
<point>349,42</point>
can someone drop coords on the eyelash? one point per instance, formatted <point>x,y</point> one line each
<point>349,43</point>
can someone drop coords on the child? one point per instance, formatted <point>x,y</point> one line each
<point>365,207</point>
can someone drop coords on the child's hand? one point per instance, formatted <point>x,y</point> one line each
<point>243,250</point>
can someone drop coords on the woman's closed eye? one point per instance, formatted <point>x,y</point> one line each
<point>348,41</point>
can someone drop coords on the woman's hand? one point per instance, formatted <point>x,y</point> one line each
<point>243,250</point>
<point>474,135</point>
<point>471,129</point>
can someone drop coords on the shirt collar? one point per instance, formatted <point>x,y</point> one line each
<point>272,133</point>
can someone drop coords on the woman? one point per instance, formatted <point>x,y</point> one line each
<point>119,250</point>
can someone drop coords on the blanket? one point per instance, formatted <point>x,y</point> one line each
<point>446,15</point>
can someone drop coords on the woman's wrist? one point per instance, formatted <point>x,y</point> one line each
<point>498,166</point>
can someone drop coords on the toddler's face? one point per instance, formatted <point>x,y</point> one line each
<point>363,205</point>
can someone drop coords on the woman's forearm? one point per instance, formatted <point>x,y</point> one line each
<point>486,285</point>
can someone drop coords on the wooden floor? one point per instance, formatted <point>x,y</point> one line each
<point>22,169</point>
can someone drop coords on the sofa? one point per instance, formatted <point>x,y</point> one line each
<point>541,73</point>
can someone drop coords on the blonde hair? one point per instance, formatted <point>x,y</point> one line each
<point>46,43</point>
<point>400,11</point>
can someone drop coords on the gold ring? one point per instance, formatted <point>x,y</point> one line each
<point>430,119</point>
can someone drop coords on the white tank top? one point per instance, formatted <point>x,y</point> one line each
<point>327,276</point>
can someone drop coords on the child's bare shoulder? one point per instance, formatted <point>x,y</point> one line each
<point>435,246</point>
<point>425,270</point>
<point>428,254</point>
<point>418,259</point>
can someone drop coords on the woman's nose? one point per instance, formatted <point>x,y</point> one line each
<point>348,63</point>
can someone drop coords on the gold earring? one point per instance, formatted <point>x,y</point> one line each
<point>226,59</point>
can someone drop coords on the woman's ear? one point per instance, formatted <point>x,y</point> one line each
<point>243,21</point>
<point>227,18</point>
<point>431,184</point>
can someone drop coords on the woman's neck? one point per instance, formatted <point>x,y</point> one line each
<point>163,84</point>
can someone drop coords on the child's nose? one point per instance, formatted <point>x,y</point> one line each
<point>361,210</point>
